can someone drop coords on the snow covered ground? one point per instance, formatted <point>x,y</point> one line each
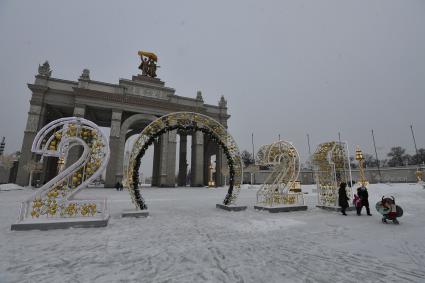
<point>10,187</point>
<point>186,239</point>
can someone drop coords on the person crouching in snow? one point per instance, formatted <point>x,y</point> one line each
<point>390,210</point>
<point>343,198</point>
<point>364,198</point>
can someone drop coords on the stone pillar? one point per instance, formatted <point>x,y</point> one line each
<point>167,165</point>
<point>114,170</point>
<point>210,149</point>
<point>33,122</point>
<point>156,158</point>
<point>218,167</point>
<point>197,168</point>
<point>207,160</point>
<point>182,160</point>
<point>171,164</point>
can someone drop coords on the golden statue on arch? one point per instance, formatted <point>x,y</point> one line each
<point>148,65</point>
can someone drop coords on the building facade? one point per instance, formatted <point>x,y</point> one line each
<point>126,108</point>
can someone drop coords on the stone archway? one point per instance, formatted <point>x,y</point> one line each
<point>123,135</point>
<point>117,146</point>
<point>186,122</point>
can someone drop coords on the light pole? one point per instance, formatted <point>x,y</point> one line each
<point>376,154</point>
<point>252,140</point>
<point>309,150</point>
<point>414,142</point>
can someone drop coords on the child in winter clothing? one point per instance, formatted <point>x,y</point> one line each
<point>356,201</point>
<point>390,210</point>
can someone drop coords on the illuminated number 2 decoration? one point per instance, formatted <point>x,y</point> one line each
<point>54,199</point>
<point>283,157</point>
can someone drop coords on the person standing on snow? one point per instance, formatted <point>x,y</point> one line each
<point>343,198</point>
<point>364,200</point>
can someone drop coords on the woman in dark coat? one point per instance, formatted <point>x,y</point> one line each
<point>343,198</point>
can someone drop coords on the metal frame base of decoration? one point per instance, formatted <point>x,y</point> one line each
<point>335,208</point>
<point>135,213</point>
<point>231,207</point>
<point>61,224</point>
<point>276,209</point>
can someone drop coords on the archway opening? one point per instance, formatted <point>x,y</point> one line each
<point>186,123</point>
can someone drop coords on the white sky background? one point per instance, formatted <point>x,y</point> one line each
<point>285,67</point>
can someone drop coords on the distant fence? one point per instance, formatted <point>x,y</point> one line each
<point>404,174</point>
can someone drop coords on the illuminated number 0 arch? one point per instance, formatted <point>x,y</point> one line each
<point>185,122</point>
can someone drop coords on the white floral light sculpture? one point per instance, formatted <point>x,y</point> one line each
<point>331,167</point>
<point>53,202</point>
<point>284,159</point>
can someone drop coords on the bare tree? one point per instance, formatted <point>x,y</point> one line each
<point>397,156</point>
<point>6,161</point>
<point>247,158</point>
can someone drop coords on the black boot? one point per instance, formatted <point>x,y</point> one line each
<point>368,211</point>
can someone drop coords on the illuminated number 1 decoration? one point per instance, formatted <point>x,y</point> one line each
<point>331,167</point>
<point>54,200</point>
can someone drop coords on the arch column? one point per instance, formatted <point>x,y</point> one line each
<point>219,180</point>
<point>167,165</point>
<point>209,150</point>
<point>155,169</point>
<point>115,139</point>
<point>182,160</point>
<point>35,117</point>
<point>197,166</point>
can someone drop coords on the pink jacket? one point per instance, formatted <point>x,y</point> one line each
<point>357,201</point>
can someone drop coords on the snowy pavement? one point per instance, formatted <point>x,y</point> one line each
<point>186,239</point>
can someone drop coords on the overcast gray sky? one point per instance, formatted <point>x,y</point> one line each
<point>285,67</point>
